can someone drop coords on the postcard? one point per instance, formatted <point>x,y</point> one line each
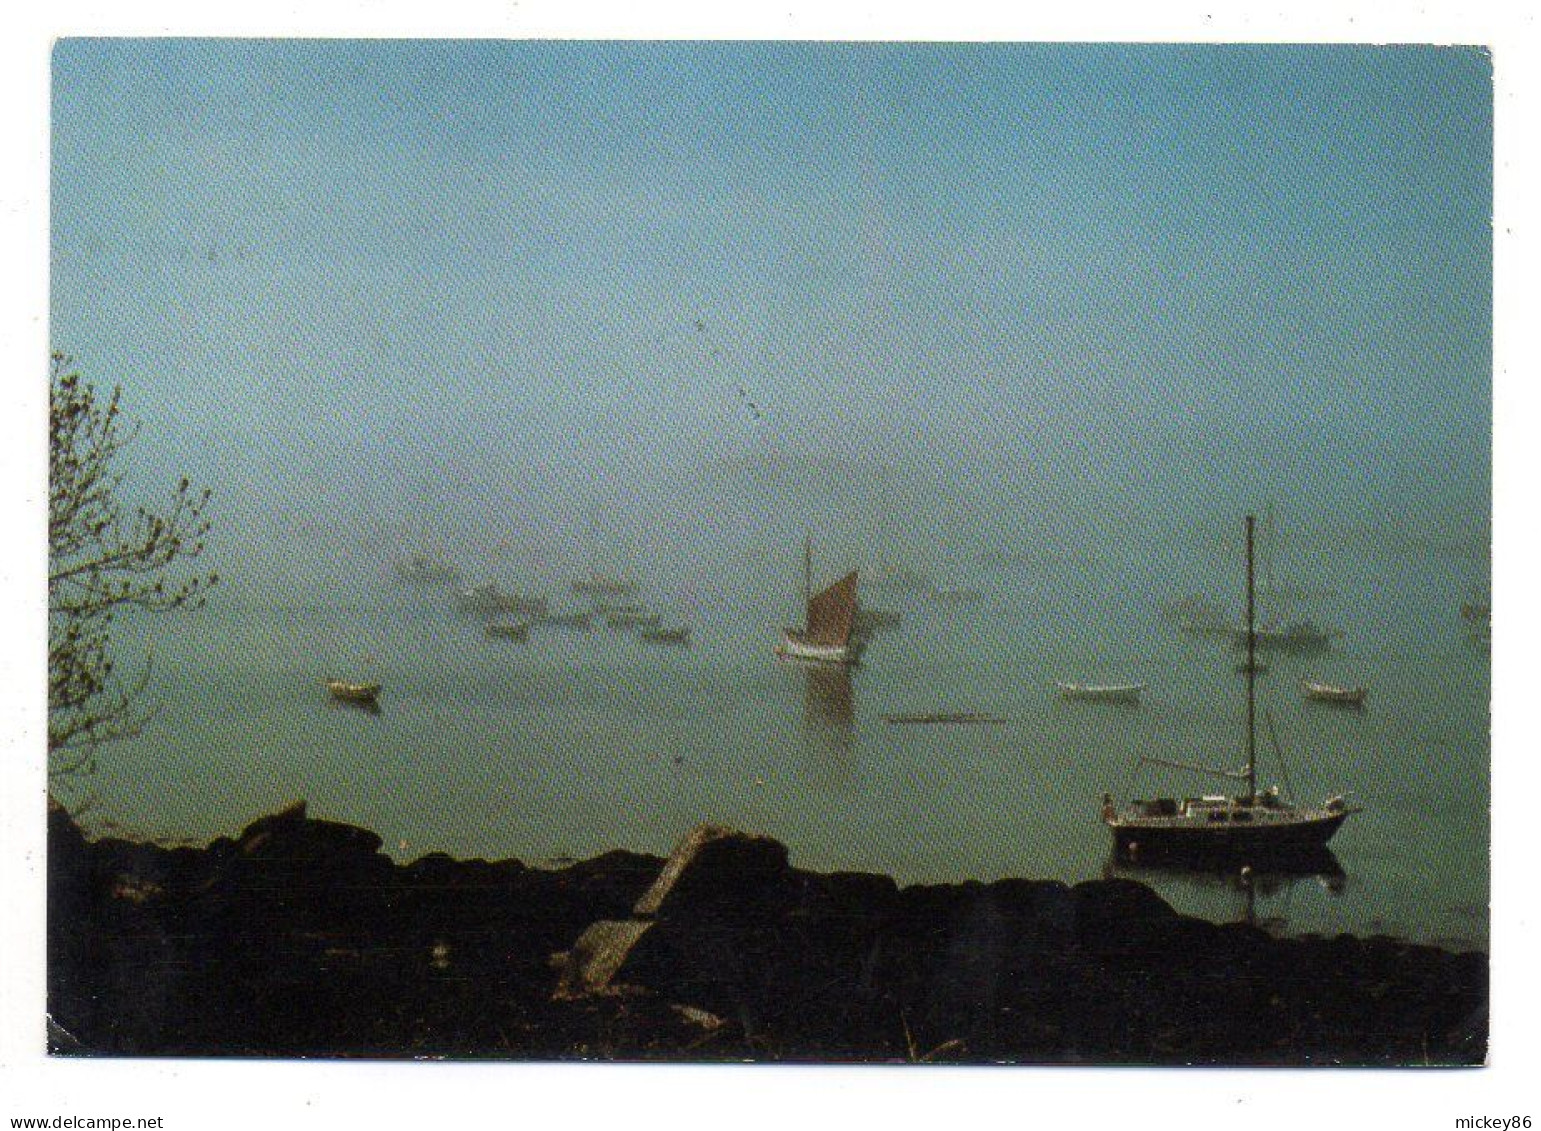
<point>907,552</point>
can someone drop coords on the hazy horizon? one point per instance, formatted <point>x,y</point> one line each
<point>529,301</point>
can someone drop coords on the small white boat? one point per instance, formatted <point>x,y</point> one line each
<point>1328,693</point>
<point>1102,693</point>
<point>353,692</point>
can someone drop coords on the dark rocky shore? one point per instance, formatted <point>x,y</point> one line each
<point>301,938</point>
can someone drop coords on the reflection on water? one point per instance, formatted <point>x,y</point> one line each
<point>367,707</point>
<point>829,715</point>
<point>1237,894</point>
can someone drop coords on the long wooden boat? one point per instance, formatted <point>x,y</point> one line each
<point>943,718</point>
<point>679,635</point>
<point>353,692</point>
<point>1328,693</point>
<point>1102,693</point>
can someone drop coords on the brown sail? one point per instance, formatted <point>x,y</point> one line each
<point>832,613</point>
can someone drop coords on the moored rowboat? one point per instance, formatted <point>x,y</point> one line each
<point>1327,693</point>
<point>353,692</point>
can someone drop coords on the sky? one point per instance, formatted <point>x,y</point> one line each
<point>417,283</point>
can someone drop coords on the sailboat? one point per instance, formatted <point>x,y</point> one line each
<point>829,632</point>
<point>1250,826</point>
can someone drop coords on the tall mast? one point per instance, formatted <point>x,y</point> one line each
<point>1251,674</point>
<point>807,570</point>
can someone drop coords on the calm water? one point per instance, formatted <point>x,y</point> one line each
<point>579,742</point>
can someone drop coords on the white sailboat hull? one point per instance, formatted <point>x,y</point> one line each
<point>792,647</point>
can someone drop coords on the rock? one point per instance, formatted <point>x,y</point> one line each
<point>301,938</point>
<point>290,835</point>
<point>715,872</point>
<point>594,959</point>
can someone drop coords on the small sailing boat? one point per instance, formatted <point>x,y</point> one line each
<point>1328,693</point>
<point>829,634</point>
<point>1250,826</point>
<point>1102,693</point>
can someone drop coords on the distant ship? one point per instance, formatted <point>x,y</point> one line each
<point>957,595</point>
<point>1198,616</point>
<point>1301,636</point>
<point>870,622</point>
<point>633,618</point>
<point>579,620</point>
<point>678,635</point>
<point>1250,827</point>
<point>604,585</point>
<point>829,633</point>
<point>488,600</point>
<point>425,571</point>
<point>895,577</point>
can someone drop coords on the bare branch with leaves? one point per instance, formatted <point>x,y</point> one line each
<point>104,555</point>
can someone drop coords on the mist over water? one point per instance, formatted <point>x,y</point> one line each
<point>1042,321</point>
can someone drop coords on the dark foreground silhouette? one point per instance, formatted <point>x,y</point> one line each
<point>301,938</point>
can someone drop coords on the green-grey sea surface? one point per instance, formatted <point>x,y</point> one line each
<point>575,743</point>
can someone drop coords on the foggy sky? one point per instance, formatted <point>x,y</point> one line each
<point>512,292</point>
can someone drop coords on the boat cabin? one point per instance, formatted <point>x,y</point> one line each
<point>1213,807</point>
